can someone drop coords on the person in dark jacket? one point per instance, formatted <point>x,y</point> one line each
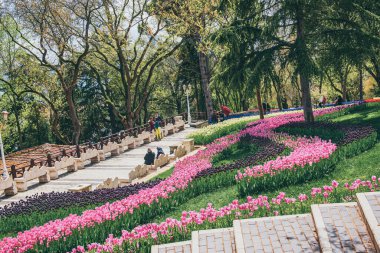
<point>149,157</point>
<point>214,117</point>
<point>338,100</point>
<point>160,151</point>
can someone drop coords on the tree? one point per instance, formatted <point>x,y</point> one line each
<point>132,42</point>
<point>193,19</point>
<point>57,35</point>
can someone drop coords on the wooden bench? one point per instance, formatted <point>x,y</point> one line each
<point>91,154</point>
<point>128,143</point>
<point>145,137</point>
<point>179,125</point>
<point>111,147</point>
<point>41,173</point>
<point>109,183</point>
<point>67,162</point>
<point>173,148</point>
<point>199,124</point>
<point>189,145</point>
<point>8,186</point>
<point>169,129</point>
<point>161,161</point>
<point>81,188</point>
<point>180,151</point>
<point>138,172</point>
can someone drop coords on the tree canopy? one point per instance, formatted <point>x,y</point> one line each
<point>76,70</point>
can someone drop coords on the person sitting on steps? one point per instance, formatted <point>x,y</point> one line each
<point>160,151</point>
<point>149,157</point>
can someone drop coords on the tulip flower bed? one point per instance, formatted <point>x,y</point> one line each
<point>309,157</point>
<point>94,225</point>
<point>210,133</point>
<point>41,208</point>
<point>338,133</point>
<point>141,238</point>
<point>267,150</point>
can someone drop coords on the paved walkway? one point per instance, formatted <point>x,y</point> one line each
<point>119,166</point>
<point>329,228</point>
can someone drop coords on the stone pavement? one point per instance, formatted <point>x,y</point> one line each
<point>215,240</point>
<point>293,233</point>
<point>118,166</point>
<point>329,228</point>
<point>178,247</point>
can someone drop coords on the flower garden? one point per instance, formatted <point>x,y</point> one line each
<point>256,158</point>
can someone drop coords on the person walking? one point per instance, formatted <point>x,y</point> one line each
<point>149,157</point>
<point>157,126</point>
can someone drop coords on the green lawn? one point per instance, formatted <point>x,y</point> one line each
<point>362,166</point>
<point>164,174</point>
<point>235,152</point>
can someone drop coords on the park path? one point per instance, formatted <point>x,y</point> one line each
<point>118,166</point>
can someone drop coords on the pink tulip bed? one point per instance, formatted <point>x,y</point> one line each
<point>141,238</point>
<point>310,157</point>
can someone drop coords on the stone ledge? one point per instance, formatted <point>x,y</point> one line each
<point>343,226</point>
<point>370,218</point>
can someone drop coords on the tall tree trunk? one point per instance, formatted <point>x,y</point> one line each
<point>303,70</point>
<point>205,80</point>
<point>277,87</point>
<point>344,91</point>
<point>73,115</point>
<point>306,99</point>
<point>197,96</point>
<point>279,104</point>
<point>112,118</point>
<point>259,103</point>
<point>146,113</point>
<point>361,83</point>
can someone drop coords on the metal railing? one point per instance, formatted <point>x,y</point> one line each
<point>76,150</point>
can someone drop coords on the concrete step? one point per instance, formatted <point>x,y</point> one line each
<point>178,247</point>
<point>213,241</point>
<point>341,228</point>
<point>369,204</point>
<point>289,233</point>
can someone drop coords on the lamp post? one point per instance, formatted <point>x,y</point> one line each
<point>2,124</point>
<point>187,89</point>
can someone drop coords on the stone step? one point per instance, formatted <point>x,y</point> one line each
<point>289,233</point>
<point>341,228</point>
<point>213,241</point>
<point>177,247</point>
<point>369,204</point>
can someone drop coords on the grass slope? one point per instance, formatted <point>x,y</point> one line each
<point>362,166</point>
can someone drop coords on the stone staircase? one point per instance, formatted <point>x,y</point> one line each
<point>340,227</point>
